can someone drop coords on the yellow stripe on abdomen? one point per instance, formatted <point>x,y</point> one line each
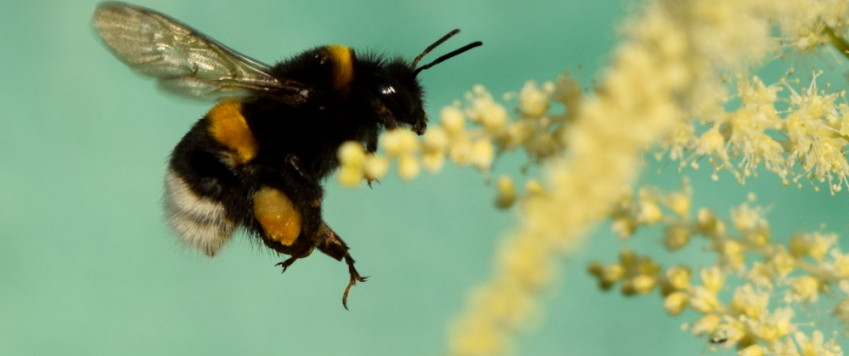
<point>228,126</point>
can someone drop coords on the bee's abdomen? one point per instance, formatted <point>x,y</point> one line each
<point>199,221</point>
<point>204,189</point>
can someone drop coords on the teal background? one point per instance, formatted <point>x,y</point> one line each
<point>88,267</point>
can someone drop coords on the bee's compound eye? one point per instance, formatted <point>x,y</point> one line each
<point>387,90</point>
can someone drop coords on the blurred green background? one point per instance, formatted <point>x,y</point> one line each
<point>88,267</point>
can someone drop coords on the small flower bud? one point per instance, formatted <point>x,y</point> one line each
<point>643,284</point>
<point>613,273</point>
<point>678,277</point>
<point>506,192</point>
<point>350,176</point>
<point>649,213</point>
<point>493,117</point>
<point>534,187</point>
<point>676,236</point>
<point>399,142</point>
<point>706,325</point>
<point>351,153</point>
<point>436,139</point>
<point>408,167</point>
<point>712,279</point>
<point>799,245</point>
<point>758,236</point>
<point>805,288</point>
<point>533,101</point>
<point>675,303</point>
<point>461,152</point>
<point>707,221</point>
<point>595,268</point>
<point>482,154</point>
<point>375,167</point>
<point>517,134</point>
<point>433,161</point>
<point>679,203</point>
<point>624,226</point>
<point>627,258</point>
<point>451,118</point>
<point>782,263</point>
<point>703,300</point>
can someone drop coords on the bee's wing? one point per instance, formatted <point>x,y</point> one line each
<point>185,61</point>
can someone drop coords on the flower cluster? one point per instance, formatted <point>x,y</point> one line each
<point>673,84</point>
<point>807,139</point>
<point>795,132</point>
<point>798,272</point>
<point>472,134</point>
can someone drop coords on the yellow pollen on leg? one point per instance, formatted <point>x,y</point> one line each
<point>277,215</point>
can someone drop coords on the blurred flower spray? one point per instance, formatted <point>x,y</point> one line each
<point>669,87</point>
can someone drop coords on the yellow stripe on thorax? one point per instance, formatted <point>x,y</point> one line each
<point>277,215</point>
<point>228,127</point>
<point>343,60</point>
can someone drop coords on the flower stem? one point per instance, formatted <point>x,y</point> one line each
<point>838,42</point>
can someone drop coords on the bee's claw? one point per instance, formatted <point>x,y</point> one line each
<point>355,277</point>
<point>285,264</point>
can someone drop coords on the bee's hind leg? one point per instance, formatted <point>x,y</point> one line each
<point>355,277</point>
<point>299,251</point>
<point>332,245</point>
<point>288,262</point>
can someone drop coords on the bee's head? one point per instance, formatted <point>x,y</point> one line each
<point>400,92</point>
<point>401,95</point>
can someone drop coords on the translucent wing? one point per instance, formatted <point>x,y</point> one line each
<point>185,61</point>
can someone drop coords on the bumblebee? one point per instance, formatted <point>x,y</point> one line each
<point>256,160</point>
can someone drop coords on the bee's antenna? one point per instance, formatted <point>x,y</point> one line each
<point>447,55</point>
<point>433,45</point>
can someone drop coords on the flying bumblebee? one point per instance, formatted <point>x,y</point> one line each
<point>257,158</point>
